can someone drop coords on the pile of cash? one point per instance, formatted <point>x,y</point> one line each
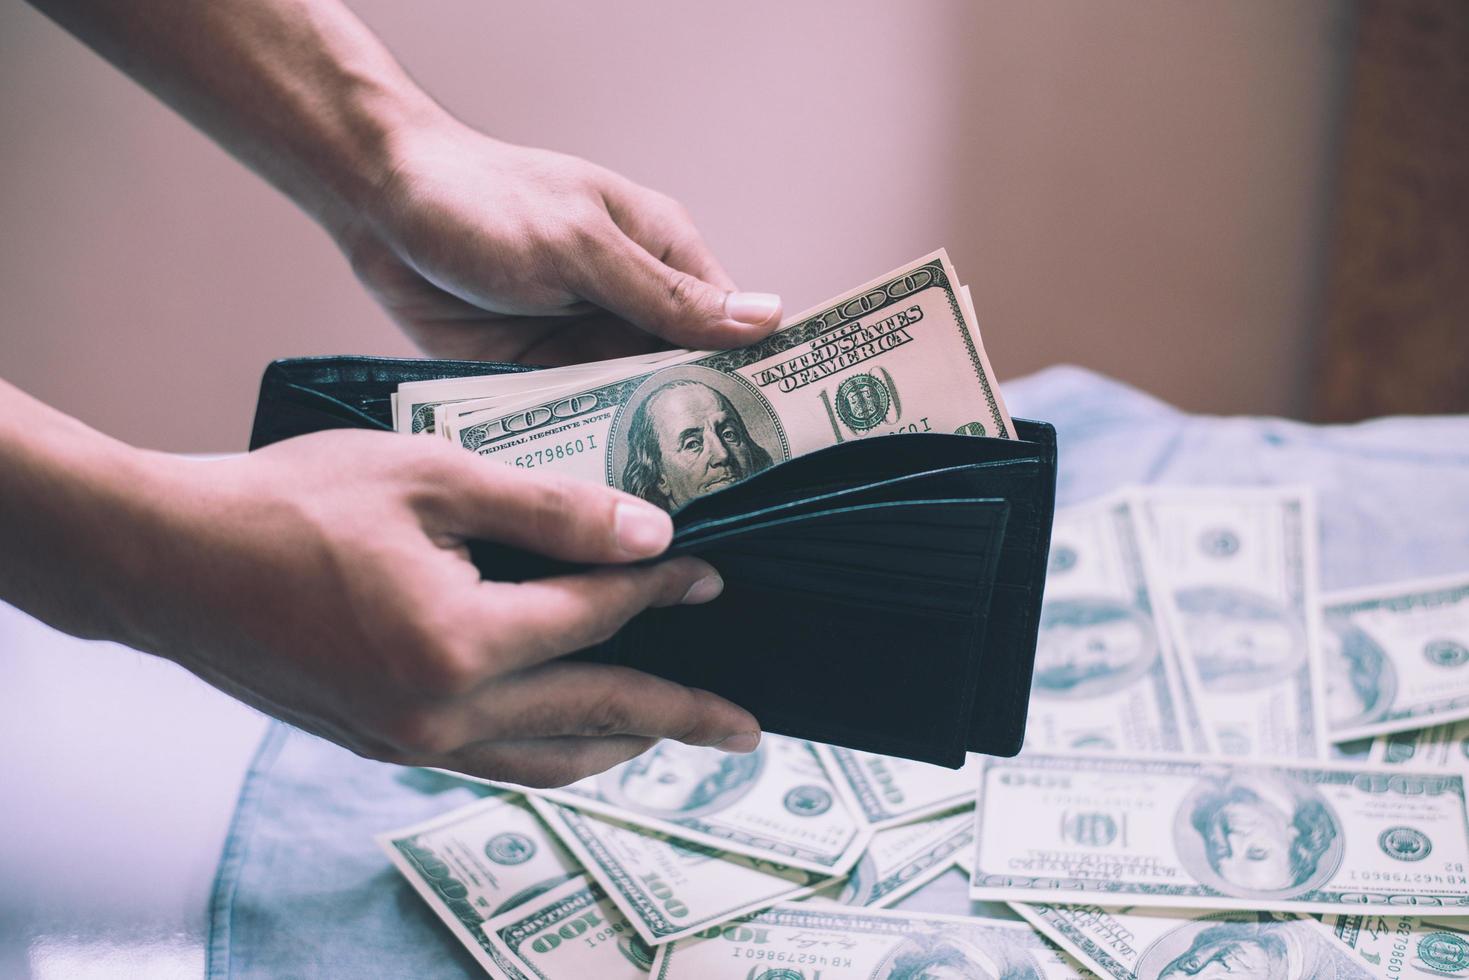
<point>1226,772</point>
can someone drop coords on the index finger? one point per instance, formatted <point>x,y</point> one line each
<point>560,615</point>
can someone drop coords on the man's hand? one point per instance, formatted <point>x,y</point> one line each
<point>326,581</point>
<point>487,251</point>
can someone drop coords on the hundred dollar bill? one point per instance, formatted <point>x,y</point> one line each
<point>1400,947</point>
<point>1105,677</point>
<point>777,803</point>
<point>891,791</point>
<point>902,859</point>
<point>477,862</point>
<point>1154,944</point>
<point>414,402</point>
<point>1240,603</point>
<point>822,942</point>
<point>1439,747</point>
<point>1396,656</point>
<point>1199,833</point>
<point>572,932</point>
<point>666,887</point>
<point>898,354</point>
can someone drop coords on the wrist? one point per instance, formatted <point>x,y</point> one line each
<point>74,510</point>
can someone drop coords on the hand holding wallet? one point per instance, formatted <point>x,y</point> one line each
<point>882,594</point>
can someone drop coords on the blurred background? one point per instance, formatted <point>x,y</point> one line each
<point>1252,207</point>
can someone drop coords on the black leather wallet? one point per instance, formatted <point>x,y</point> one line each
<point>882,594</point>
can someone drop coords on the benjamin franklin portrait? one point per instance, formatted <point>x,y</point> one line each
<point>673,780</point>
<point>1360,682</point>
<point>1091,647</point>
<point>690,430</point>
<point>1256,834</point>
<point>1254,945</point>
<point>951,955</point>
<point>1239,640</point>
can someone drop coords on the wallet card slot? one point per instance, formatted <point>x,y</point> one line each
<point>833,518</point>
<point>338,407</point>
<point>896,593</point>
<point>966,480</point>
<point>873,460</point>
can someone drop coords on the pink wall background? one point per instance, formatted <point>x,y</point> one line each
<point>1135,187</point>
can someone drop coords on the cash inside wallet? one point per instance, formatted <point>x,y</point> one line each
<point>882,594</point>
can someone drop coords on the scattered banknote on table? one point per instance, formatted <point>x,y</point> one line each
<point>1397,656</point>
<point>1105,676</point>
<point>1239,569</point>
<point>805,941</point>
<point>572,932</point>
<point>1221,834</point>
<point>775,804</point>
<point>890,791</point>
<point>479,862</point>
<point>666,887</point>
<point>902,859</point>
<point>1152,944</point>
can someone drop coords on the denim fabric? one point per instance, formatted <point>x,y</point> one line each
<point>302,889</point>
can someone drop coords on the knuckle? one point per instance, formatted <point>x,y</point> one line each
<point>446,669</point>
<point>683,289</point>
<point>553,509</point>
<point>609,714</point>
<point>420,731</point>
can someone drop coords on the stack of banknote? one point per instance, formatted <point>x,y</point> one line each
<point>1226,772</point>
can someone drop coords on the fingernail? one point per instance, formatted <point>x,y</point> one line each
<point>705,589</point>
<point>743,743</point>
<point>752,308</point>
<point>641,529</point>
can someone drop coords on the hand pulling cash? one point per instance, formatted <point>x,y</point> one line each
<point>831,473</point>
<point>879,520</point>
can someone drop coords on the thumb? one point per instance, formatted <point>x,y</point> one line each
<point>621,276</point>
